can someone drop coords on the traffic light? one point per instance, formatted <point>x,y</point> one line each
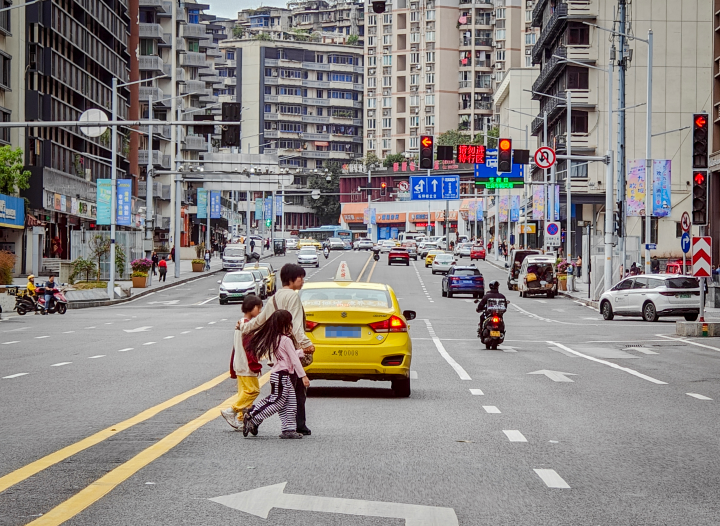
<point>230,132</point>
<point>504,164</point>
<point>700,141</point>
<point>230,136</point>
<point>699,198</point>
<point>268,223</point>
<point>383,188</point>
<point>617,223</point>
<point>379,6</point>
<point>426,152</point>
<point>231,112</point>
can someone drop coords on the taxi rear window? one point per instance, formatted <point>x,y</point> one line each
<point>345,297</point>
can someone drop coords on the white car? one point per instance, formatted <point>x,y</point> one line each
<point>236,285</point>
<point>291,243</point>
<point>364,244</point>
<point>308,256</point>
<point>463,249</point>
<point>335,243</point>
<point>442,263</point>
<point>652,296</point>
<point>387,245</point>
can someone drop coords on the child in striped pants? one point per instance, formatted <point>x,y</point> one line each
<point>274,341</point>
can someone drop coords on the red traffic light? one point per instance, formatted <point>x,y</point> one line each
<point>383,185</point>
<point>699,177</point>
<point>700,121</point>
<point>426,141</point>
<point>505,144</point>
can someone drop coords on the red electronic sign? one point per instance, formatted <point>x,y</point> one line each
<point>471,154</point>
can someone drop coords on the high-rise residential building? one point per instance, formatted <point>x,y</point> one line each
<point>714,143</point>
<point>682,35</point>
<point>432,66</point>
<point>300,99</point>
<point>344,17</point>
<point>73,51</point>
<point>197,83</point>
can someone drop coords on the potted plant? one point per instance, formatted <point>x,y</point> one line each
<point>563,268</point>
<point>198,264</point>
<point>140,274</point>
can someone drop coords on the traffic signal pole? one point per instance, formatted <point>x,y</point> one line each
<point>648,157</point>
<point>609,204</point>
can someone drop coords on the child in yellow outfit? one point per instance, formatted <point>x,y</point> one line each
<point>246,367</point>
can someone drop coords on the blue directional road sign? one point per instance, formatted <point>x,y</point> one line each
<point>685,242</point>
<point>435,187</point>
<point>650,246</point>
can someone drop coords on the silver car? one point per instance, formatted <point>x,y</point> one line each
<point>308,256</point>
<point>442,263</point>
<point>652,296</point>
<point>463,249</point>
<point>291,243</point>
<point>236,285</point>
<point>335,243</point>
<point>364,244</point>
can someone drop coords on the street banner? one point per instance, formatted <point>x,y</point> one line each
<point>124,189</point>
<point>475,210</point>
<point>662,201</point>
<point>538,201</point>
<point>635,188</point>
<point>104,196</point>
<point>504,208</point>
<point>515,208</point>
<point>215,212</point>
<point>258,208</point>
<point>267,210</point>
<point>202,203</point>
<point>279,205</point>
<point>369,216</point>
<point>557,204</point>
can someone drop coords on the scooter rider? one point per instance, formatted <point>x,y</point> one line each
<point>50,288</point>
<point>376,252</point>
<point>493,294</point>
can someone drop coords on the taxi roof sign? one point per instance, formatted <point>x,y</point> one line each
<point>343,272</point>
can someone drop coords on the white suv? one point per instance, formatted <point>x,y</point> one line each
<point>652,296</point>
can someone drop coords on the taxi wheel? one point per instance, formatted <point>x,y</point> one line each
<point>401,387</point>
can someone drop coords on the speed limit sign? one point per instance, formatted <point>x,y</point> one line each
<point>544,157</point>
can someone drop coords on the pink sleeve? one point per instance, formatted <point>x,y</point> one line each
<point>288,348</point>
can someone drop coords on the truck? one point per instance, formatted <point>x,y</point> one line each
<point>233,257</point>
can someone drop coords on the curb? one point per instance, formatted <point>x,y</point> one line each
<point>590,303</point>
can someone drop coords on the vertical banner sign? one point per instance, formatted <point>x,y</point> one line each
<point>479,211</point>
<point>635,190</point>
<point>268,208</point>
<point>215,205</point>
<point>515,208</point>
<point>124,188</point>
<point>202,203</point>
<point>538,202</point>
<point>279,205</point>
<point>369,216</point>
<point>662,203</point>
<point>504,208</point>
<point>472,215</point>
<point>104,195</point>
<point>258,208</point>
<point>557,204</point>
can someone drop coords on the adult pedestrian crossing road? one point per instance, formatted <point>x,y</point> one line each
<point>559,426</point>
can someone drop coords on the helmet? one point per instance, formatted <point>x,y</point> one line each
<point>31,277</point>
<point>494,285</point>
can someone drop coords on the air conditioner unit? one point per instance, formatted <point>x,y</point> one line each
<point>386,93</point>
<point>273,126</point>
<point>386,113</point>
<point>163,235</point>
<point>274,73</point>
<point>416,110</point>
<point>492,77</point>
<point>371,51</point>
<point>499,65</point>
<point>413,88</point>
<point>386,51</point>
<point>528,51</point>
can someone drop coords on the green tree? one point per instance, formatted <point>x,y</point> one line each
<point>492,137</point>
<point>453,138</point>
<point>371,160</point>
<point>13,176</point>
<point>392,159</point>
<point>262,36</point>
<point>99,249</point>
<point>353,40</point>
<point>327,207</point>
<point>238,32</point>
<point>301,35</point>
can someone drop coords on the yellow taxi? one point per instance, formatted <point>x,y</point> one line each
<point>269,274</point>
<point>431,257</point>
<point>309,242</point>
<point>359,332</point>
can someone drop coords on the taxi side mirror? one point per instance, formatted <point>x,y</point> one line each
<point>409,314</point>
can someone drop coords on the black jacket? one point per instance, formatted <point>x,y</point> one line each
<point>486,297</point>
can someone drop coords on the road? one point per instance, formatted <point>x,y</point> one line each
<point>617,425</point>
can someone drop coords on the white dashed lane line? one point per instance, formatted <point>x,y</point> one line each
<point>97,356</point>
<point>60,364</point>
<point>698,396</point>
<point>422,284</point>
<point>149,343</point>
<point>68,332</point>
<point>441,349</point>
<point>185,332</point>
<point>514,435</point>
<point>41,337</point>
<point>14,376</point>
<point>168,337</point>
<point>551,478</point>
<point>8,343</point>
<point>491,409</point>
<point>476,392</point>
<point>126,350</point>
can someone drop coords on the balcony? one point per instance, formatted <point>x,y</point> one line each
<point>483,42</point>
<point>158,159</point>
<point>316,84</point>
<point>315,66</point>
<point>270,134</point>
<point>194,31</point>
<point>193,86</point>
<point>464,42</point>
<point>313,102</point>
<point>312,154</point>
<point>538,13</point>
<point>158,4</point>
<point>208,99</point>
<point>315,136</point>
<point>550,71</point>
<point>192,59</point>
<point>230,81</point>
<point>195,143</point>
<point>151,63</point>
<point>464,84</point>
<point>151,31</point>
<point>312,119</point>
<point>554,26</point>
<point>147,92</point>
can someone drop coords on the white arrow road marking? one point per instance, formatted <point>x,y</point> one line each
<point>139,329</point>
<point>15,375</point>
<point>260,501</point>
<point>610,364</point>
<point>476,392</point>
<point>698,396</point>
<point>491,409</point>
<point>514,435</point>
<point>551,478</point>
<point>555,376</point>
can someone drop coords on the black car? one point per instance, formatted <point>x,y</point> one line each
<point>463,280</point>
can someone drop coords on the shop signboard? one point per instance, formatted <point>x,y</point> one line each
<point>202,203</point>
<point>104,195</point>
<point>12,212</point>
<point>124,187</point>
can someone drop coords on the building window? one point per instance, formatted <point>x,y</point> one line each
<point>387,102</point>
<point>372,62</point>
<point>429,120</point>
<point>414,80</point>
<point>372,82</point>
<point>372,41</point>
<point>430,56</point>
<point>500,56</point>
<point>430,78</point>
<point>528,62</point>
<point>414,121</point>
<point>194,16</point>
<point>530,39</point>
<point>579,121</point>
<point>387,60</point>
<point>371,124</point>
<point>499,34</point>
<point>230,55</point>
<point>386,144</point>
<point>500,13</point>
<point>5,117</point>
<point>193,46</point>
<point>147,47</point>
<point>430,15</point>
<point>429,100</point>
<point>413,142</point>
<point>372,20</point>
<point>430,36</point>
<point>387,40</point>
<point>577,78</point>
<point>387,123</point>
<point>578,35</point>
<point>268,108</point>
<point>372,103</point>
<point>387,82</point>
<point>387,18</point>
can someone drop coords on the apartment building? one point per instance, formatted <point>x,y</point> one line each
<point>344,17</point>
<point>714,201</point>
<point>73,51</point>
<point>197,94</point>
<point>682,70</point>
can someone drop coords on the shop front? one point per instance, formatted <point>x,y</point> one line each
<point>421,222</point>
<point>390,225</point>
<point>353,215</point>
<point>12,227</point>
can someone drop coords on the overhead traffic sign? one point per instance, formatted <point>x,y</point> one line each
<point>487,175</point>
<point>545,157</point>
<point>434,187</point>
<point>552,234</point>
<point>702,256</point>
<point>685,242</point>
<point>685,222</point>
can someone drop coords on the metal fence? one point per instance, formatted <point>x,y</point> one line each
<point>130,241</point>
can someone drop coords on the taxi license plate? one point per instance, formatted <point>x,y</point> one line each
<point>494,334</point>
<point>685,296</point>
<point>342,332</point>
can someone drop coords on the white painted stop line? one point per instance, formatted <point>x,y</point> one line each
<point>551,478</point>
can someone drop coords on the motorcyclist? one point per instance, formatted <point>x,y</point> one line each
<point>493,294</point>
<point>376,252</point>
<point>50,288</point>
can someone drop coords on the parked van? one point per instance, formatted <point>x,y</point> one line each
<point>537,276</point>
<point>233,257</point>
<point>409,236</point>
<point>515,260</point>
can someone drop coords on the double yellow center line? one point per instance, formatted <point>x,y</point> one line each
<point>372,269</point>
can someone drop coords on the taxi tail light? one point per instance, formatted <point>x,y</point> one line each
<point>392,324</point>
<point>310,325</point>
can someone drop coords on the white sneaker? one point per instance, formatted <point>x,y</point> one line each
<point>230,417</point>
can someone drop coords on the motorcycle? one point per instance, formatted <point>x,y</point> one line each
<point>25,303</point>
<point>376,253</point>
<point>326,252</point>
<point>491,331</point>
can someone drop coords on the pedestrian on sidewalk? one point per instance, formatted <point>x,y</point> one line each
<point>172,253</point>
<point>162,267</point>
<point>207,260</point>
<point>244,367</point>
<point>292,277</point>
<point>155,260</point>
<point>578,266</point>
<point>252,245</point>
<point>274,341</point>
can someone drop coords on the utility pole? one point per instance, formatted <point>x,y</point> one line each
<point>149,212</point>
<point>623,59</point>
<point>648,157</point>
<point>174,139</point>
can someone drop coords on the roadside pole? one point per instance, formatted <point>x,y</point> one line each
<point>113,194</point>
<point>609,203</point>
<point>476,215</point>
<point>648,157</point>
<point>149,212</point>
<point>369,192</point>
<point>568,181</point>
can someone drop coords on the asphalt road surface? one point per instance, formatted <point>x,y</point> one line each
<point>110,416</point>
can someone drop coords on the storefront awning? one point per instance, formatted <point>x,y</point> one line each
<point>353,212</point>
<point>397,217</point>
<point>322,143</point>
